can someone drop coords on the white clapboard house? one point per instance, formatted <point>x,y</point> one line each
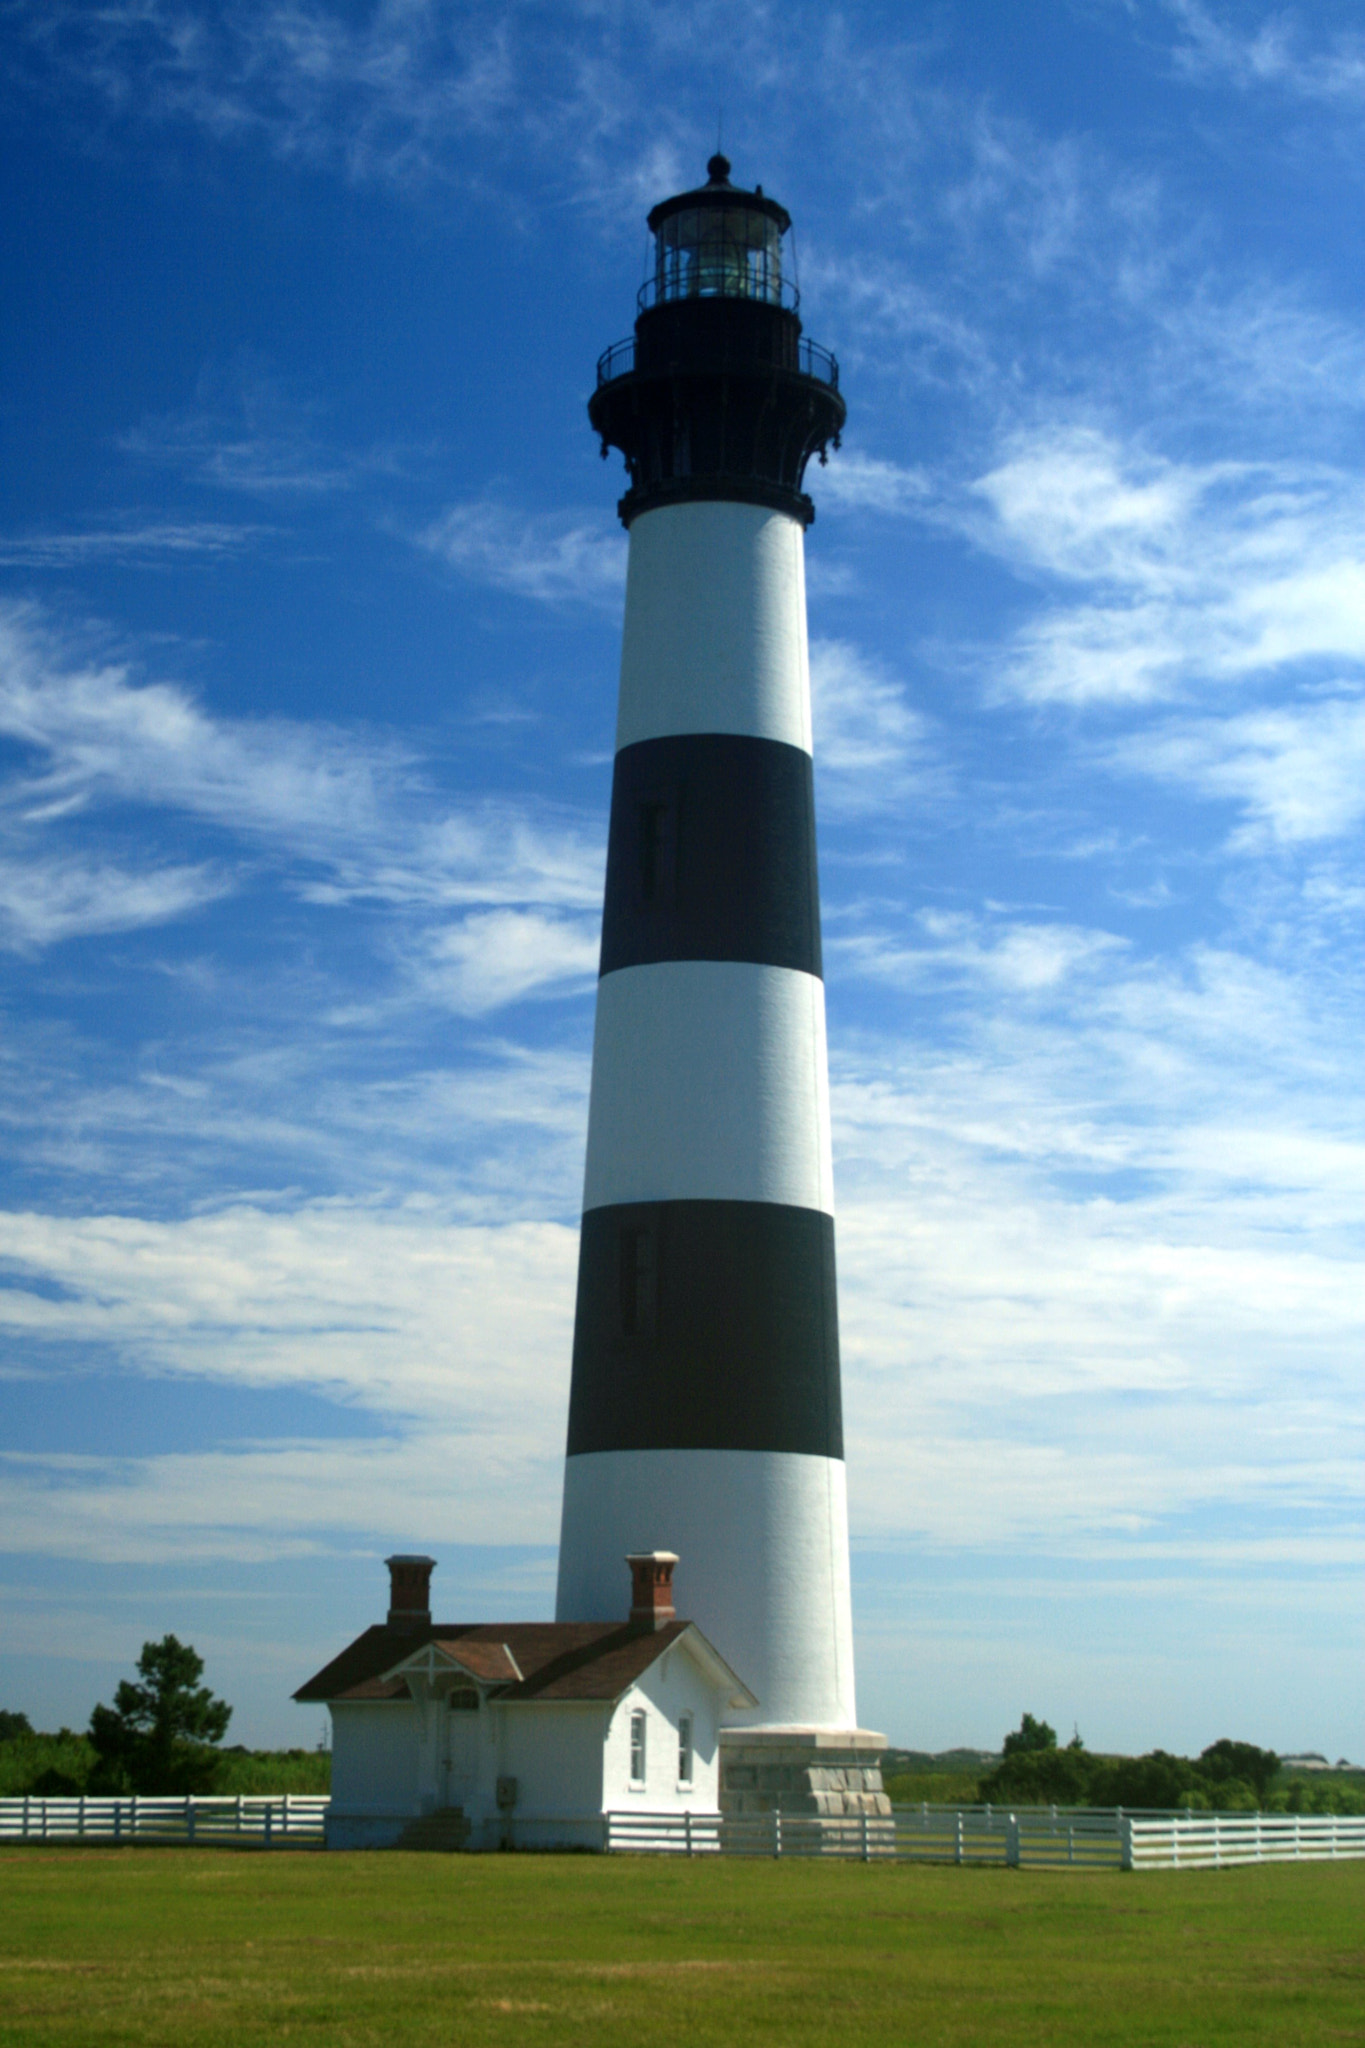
<point>521,1733</point>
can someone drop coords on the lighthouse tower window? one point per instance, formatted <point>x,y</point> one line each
<point>656,851</point>
<point>637,1749</point>
<point>637,1281</point>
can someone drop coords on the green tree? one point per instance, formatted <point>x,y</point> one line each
<point>1034,1772</point>
<point>1041,1777</point>
<point>1155,1780</point>
<point>1028,1736</point>
<point>159,1736</point>
<point>1226,1765</point>
<point>12,1726</point>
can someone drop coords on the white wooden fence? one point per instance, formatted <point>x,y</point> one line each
<point>1090,1838</point>
<point>1190,1841</point>
<point>278,1820</point>
<point>1023,1837</point>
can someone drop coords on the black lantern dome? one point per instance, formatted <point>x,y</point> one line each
<point>717,394</point>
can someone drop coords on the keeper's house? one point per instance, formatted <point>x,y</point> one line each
<point>521,1733</point>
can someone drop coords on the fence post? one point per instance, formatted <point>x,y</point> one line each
<point>132,1816</point>
<point>267,1824</point>
<point>1012,1842</point>
<point>1125,1842</point>
<point>118,1821</point>
<point>80,1816</point>
<point>687,1829</point>
<point>284,1818</point>
<point>189,1820</point>
<point>867,1853</point>
<point>957,1839</point>
<point>777,1832</point>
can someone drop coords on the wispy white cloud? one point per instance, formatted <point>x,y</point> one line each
<point>381,96</point>
<point>99,733</point>
<point>352,813</point>
<point>45,900</point>
<point>246,433</point>
<point>495,957</point>
<point>130,542</point>
<point>552,558</point>
<point>1297,772</point>
<point>872,747</point>
<point>869,483</point>
<point>1189,574</point>
<point>1283,51</point>
<point>456,1336</point>
<point>392,94</point>
<point>1028,957</point>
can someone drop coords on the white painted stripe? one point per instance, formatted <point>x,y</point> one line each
<point>715,630</point>
<point>709,1083</point>
<point>762,1542</point>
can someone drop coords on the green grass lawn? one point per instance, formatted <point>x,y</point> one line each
<point>198,1946</point>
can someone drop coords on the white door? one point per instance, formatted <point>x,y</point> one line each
<point>463,1722</point>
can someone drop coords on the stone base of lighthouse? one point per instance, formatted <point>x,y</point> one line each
<point>815,1773</point>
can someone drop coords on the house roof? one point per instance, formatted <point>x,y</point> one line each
<point>519,1660</point>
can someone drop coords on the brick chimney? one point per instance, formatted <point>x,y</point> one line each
<point>651,1587</point>
<point>410,1591</point>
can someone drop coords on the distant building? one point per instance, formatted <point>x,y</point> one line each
<point>521,1733</point>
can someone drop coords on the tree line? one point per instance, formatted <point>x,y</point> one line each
<point>161,1736</point>
<point>1228,1776</point>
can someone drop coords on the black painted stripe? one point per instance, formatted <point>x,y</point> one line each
<point>711,854</point>
<point>706,1326</point>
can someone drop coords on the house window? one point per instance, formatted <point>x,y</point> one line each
<point>684,1749</point>
<point>637,1749</point>
<point>463,1700</point>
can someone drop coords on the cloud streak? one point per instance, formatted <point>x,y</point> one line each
<point>1188,576</point>
<point>127,544</point>
<point>552,558</point>
<point>352,815</point>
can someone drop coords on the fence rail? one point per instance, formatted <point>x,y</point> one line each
<point>276,1820</point>
<point>1085,1838</point>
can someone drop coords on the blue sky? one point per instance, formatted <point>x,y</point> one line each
<point>310,590</point>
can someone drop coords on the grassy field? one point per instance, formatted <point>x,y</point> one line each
<point>191,1947</point>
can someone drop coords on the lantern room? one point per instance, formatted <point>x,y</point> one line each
<point>718,242</point>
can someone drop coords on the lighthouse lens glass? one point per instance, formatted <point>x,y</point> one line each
<point>719,252</point>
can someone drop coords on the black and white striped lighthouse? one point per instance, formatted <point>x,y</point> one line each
<point>705,1412</point>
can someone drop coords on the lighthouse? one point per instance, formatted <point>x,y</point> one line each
<point>705,1415</point>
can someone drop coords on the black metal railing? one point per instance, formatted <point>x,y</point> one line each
<point>616,361</point>
<point>820,363</point>
<point>812,360</point>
